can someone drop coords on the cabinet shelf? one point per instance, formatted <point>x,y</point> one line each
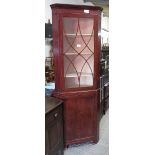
<point>82,85</point>
<point>82,75</point>
<point>77,53</point>
<point>74,34</point>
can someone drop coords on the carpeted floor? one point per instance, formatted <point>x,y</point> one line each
<point>101,148</point>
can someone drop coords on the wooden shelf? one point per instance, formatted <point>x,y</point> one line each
<point>82,74</point>
<point>77,53</point>
<point>74,34</point>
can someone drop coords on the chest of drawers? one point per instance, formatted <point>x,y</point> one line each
<point>53,126</point>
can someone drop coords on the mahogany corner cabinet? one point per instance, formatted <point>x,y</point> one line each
<point>76,48</point>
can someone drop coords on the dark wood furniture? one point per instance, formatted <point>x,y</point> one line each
<point>54,144</point>
<point>102,111</point>
<point>106,77</point>
<point>106,96</point>
<point>104,80</point>
<point>48,30</point>
<point>76,47</point>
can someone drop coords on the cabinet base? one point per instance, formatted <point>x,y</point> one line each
<point>81,116</point>
<point>82,141</point>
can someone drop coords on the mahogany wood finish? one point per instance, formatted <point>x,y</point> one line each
<point>76,48</point>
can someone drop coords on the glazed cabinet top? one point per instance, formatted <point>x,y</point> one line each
<point>76,46</point>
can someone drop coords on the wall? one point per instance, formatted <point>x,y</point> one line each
<point>106,10</point>
<point>105,29</point>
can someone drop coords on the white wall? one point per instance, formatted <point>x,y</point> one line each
<point>105,25</point>
<point>47,47</point>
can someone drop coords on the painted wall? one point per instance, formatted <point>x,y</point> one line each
<point>105,26</point>
<point>106,10</point>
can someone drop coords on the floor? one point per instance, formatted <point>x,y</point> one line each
<point>101,148</point>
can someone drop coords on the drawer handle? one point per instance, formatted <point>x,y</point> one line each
<point>56,114</point>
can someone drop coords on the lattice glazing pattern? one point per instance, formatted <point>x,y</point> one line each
<point>78,51</point>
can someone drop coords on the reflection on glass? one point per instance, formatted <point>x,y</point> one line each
<point>78,50</point>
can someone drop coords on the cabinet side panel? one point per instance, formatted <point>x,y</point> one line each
<point>97,45</point>
<point>56,47</point>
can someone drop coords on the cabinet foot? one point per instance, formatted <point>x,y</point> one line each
<point>66,146</point>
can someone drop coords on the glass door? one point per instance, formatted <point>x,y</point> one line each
<point>78,52</point>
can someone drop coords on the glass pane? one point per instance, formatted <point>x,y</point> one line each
<point>78,50</point>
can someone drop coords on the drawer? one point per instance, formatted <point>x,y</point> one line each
<point>54,115</point>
